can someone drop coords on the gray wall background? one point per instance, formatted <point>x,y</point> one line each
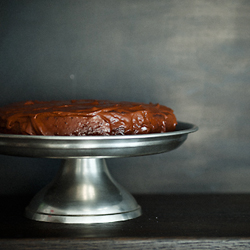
<point>193,56</point>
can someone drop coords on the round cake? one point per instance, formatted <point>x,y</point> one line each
<point>85,117</point>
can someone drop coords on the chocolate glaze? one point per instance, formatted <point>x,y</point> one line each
<point>85,117</point>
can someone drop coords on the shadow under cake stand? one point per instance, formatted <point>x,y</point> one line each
<point>83,190</point>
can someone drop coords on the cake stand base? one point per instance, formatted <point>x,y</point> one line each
<point>83,192</point>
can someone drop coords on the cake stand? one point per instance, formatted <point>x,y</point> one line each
<point>83,190</point>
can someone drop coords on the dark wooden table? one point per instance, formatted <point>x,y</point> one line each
<point>219,221</point>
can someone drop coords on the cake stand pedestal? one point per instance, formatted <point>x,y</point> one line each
<point>83,190</point>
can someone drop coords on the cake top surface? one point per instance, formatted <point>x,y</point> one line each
<point>76,107</point>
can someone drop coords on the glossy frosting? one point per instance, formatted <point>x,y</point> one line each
<point>85,117</point>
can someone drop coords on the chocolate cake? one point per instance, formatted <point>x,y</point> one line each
<point>85,117</point>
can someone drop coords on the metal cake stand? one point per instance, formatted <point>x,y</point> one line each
<point>83,190</point>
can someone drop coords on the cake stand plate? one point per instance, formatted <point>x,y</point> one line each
<point>83,190</point>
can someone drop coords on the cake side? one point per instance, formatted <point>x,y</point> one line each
<point>85,117</point>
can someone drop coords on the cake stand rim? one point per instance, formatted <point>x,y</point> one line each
<point>191,128</point>
<point>65,147</point>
